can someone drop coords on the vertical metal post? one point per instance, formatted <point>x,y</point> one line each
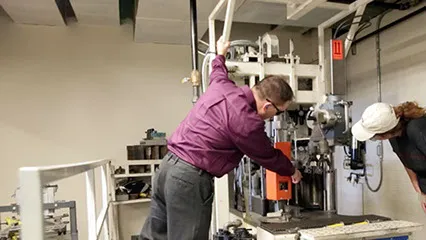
<point>221,200</point>
<point>228,20</point>
<point>91,204</point>
<point>31,204</point>
<point>250,188</point>
<point>73,221</point>
<point>194,33</point>
<point>293,78</point>
<point>113,216</point>
<point>105,201</point>
<point>212,33</point>
<point>195,75</point>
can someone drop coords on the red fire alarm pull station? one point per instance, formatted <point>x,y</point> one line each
<point>337,48</point>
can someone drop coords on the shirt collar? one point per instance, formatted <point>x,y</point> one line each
<point>250,97</point>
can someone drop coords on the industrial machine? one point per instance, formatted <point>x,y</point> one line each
<point>308,134</point>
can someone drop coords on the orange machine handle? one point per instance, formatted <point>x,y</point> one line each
<point>279,187</point>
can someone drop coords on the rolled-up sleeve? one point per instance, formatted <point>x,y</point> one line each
<point>219,71</point>
<point>250,137</point>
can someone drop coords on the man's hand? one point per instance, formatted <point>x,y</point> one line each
<point>222,47</point>
<point>297,176</point>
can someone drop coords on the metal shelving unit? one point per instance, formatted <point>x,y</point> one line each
<point>153,164</point>
<point>142,161</point>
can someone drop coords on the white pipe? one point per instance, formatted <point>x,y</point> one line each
<point>303,9</point>
<point>112,213</point>
<point>354,27</point>
<point>31,204</point>
<point>91,204</point>
<point>351,8</point>
<point>100,223</point>
<point>204,72</point>
<point>105,202</point>
<point>228,20</point>
<point>212,18</point>
<point>321,61</point>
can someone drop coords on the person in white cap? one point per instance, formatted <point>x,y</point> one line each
<point>405,128</point>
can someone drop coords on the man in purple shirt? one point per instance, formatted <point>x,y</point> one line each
<point>225,123</point>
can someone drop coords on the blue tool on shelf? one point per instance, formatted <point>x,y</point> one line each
<point>395,238</point>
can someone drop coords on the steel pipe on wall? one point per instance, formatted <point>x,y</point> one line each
<point>194,33</point>
<point>195,74</point>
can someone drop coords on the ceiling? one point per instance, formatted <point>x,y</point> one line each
<point>164,21</point>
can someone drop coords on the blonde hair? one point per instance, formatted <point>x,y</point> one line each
<point>409,110</point>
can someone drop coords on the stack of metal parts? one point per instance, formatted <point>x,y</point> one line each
<point>153,146</point>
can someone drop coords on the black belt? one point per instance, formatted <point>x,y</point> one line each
<point>175,158</point>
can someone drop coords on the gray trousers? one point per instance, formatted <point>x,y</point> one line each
<point>181,205</point>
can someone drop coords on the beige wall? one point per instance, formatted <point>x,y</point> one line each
<point>403,77</point>
<point>79,93</point>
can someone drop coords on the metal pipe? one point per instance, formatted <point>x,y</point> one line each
<point>250,187</point>
<point>228,20</point>
<point>329,186</point>
<point>351,8</point>
<point>195,75</point>
<point>302,9</point>
<point>91,204</point>
<point>202,42</point>
<point>321,55</point>
<point>354,28</point>
<point>194,33</point>
<point>204,73</point>
<point>296,158</point>
<point>212,18</point>
<point>379,99</point>
<point>212,33</point>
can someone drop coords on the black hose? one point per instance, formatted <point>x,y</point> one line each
<point>390,25</point>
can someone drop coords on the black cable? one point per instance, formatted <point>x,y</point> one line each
<point>342,24</point>
<point>346,151</point>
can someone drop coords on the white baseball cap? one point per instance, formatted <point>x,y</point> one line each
<point>377,118</point>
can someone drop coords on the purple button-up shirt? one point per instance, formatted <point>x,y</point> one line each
<point>223,126</point>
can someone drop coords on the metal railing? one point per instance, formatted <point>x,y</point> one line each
<point>32,180</point>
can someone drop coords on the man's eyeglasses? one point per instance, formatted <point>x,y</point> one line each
<point>276,108</point>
